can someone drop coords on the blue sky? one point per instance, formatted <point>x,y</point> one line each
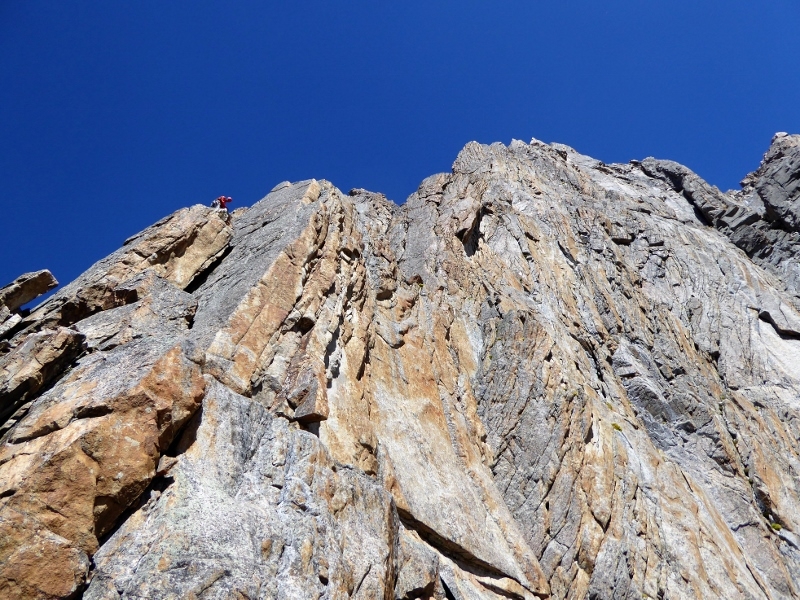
<point>115,114</point>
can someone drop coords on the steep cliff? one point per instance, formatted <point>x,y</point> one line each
<point>542,376</point>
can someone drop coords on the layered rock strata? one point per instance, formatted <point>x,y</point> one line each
<point>541,377</point>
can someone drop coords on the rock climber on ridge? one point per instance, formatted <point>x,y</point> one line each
<point>221,203</point>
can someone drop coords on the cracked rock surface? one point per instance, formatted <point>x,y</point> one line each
<point>540,377</point>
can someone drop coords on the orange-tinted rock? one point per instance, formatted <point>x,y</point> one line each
<point>178,248</point>
<point>73,467</point>
<point>542,376</point>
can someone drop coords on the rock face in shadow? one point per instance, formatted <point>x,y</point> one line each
<point>541,377</point>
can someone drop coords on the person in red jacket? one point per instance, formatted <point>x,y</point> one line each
<point>221,203</point>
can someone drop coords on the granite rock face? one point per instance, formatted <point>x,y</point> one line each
<point>540,377</point>
<point>763,218</point>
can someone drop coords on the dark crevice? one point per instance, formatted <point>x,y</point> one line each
<point>158,485</point>
<point>670,177</point>
<point>471,237</point>
<point>775,220</point>
<point>447,593</point>
<point>186,436</point>
<point>363,577</point>
<point>312,427</point>
<point>183,440</point>
<point>12,331</point>
<point>501,592</point>
<point>90,412</point>
<point>421,593</point>
<point>202,277</point>
<point>784,334</point>
<point>364,361</point>
<point>304,325</point>
<point>570,259</point>
<point>698,213</point>
<point>465,560</point>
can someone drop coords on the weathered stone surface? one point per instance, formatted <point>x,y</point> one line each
<point>25,288</point>
<point>542,376</point>
<point>162,309</point>
<point>86,450</point>
<point>777,182</point>
<point>763,218</point>
<point>252,508</point>
<point>7,320</point>
<point>418,573</point>
<point>179,248</point>
<point>36,562</point>
<point>29,367</point>
<point>290,340</point>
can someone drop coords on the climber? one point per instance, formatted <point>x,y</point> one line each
<point>221,203</point>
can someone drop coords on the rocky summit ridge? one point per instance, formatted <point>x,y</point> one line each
<point>542,376</point>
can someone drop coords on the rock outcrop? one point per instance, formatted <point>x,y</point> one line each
<point>25,288</point>
<point>540,377</point>
<point>763,219</point>
<point>22,290</point>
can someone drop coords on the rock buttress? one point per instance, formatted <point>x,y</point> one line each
<point>542,376</point>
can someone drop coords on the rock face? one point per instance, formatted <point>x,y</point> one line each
<point>541,377</point>
<point>763,219</point>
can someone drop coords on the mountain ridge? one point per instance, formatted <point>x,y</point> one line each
<point>541,376</point>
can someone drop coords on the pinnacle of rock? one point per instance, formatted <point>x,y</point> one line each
<point>542,376</point>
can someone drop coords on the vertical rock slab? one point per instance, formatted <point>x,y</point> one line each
<point>282,345</point>
<point>252,507</point>
<point>778,181</point>
<point>258,237</point>
<point>84,453</point>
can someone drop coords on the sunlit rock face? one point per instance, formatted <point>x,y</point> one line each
<point>542,376</point>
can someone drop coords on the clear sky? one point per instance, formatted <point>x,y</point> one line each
<point>115,114</point>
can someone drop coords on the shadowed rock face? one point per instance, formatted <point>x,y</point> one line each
<point>542,376</point>
<point>763,219</point>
